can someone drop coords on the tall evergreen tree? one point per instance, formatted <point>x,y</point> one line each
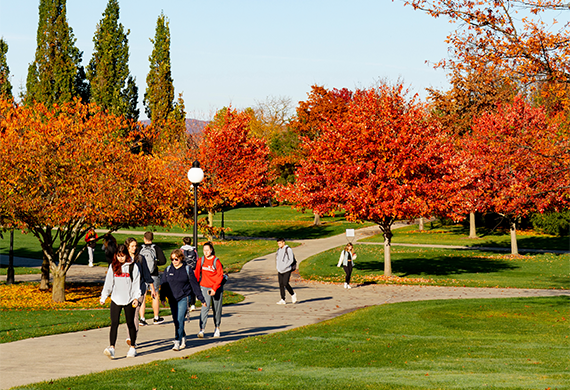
<point>159,96</point>
<point>56,75</point>
<point>5,85</point>
<point>108,71</point>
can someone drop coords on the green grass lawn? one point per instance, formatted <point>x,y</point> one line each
<point>23,324</point>
<point>19,270</point>
<point>451,344</point>
<point>459,235</point>
<point>446,267</point>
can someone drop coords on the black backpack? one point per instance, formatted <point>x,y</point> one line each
<point>190,257</point>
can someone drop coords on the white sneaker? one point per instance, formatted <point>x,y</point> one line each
<point>183,343</point>
<point>345,285</point>
<point>192,308</point>
<point>132,352</point>
<point>201,334</point>
<point>294,298</point>
<point>217,332</point>
<point>91,265</point>
<point>110,352</point>
<point>348,286</point>
<point>282,302</point>
<point>176,346</point>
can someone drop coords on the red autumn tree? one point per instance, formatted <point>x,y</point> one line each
<point>384,160</point>
<point>65,169</point>
<point>235,163</point>
<point>518,159</point>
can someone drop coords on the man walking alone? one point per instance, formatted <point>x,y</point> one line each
<point>285,263</point>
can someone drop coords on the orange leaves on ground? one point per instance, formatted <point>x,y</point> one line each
<point>28,296</point>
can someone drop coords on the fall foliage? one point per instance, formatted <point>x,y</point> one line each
<point>65,169</point>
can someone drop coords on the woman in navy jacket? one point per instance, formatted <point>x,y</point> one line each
<point>178,281</point>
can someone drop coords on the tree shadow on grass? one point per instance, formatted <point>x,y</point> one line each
<point>440,266</point>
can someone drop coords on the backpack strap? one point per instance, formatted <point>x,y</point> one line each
<point>131,268</point>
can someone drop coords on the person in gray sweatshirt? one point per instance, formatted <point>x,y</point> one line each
<point>285,264</point>
<point>123,284</point>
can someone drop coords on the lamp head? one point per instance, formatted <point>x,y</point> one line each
<point>195,174</point>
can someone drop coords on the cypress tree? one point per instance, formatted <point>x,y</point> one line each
<point>5,85</point>
<point>56,75</point>
<point>112,87</point>
<point>159,96</point>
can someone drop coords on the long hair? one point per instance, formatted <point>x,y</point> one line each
<point>348,247</point>
<point>123,251</point>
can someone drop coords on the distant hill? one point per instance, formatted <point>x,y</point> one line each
<point>193,126</point>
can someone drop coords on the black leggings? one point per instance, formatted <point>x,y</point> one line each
<point>284,283</point>
<point>347,271</point>
<point>130,312</point>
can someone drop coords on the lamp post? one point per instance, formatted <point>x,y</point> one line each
<point>195,175</point>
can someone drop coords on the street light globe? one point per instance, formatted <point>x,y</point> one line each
<point>195,174</point>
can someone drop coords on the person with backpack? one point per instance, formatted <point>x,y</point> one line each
<point>190,258</point>
<point>178,281</point>
<point>285,264</point>
<point>210,273</point>
<point>123,284</point>
<point>154,257</point>
<point>145,279</point>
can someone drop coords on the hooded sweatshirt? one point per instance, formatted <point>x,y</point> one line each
<point>211,278</point>
<point>284,259</point>
<point>122,289</point>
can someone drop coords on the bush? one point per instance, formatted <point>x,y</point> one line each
<point>552,223</point>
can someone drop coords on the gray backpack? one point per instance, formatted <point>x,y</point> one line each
<point>149,254</point>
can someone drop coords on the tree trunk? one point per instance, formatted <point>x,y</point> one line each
<point>44,281</point>
<point>317,220</point>
<point>58,286</point>
<point>387,256</point>
<point>210,219</point>
<point>421,224</point>
<point>514,246</point>
<point>472,227</point>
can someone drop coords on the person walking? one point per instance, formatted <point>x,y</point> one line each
<point>346,260</point>
<point>210,273</point>
<point>145,280</point>
<point>285,264</point>
<point>154,257</point>
<point>91,240</point>
<point>177,282</point>
<point>122,283</point>
<point>190,258</point>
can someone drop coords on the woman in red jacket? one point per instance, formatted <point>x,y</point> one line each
<point>210,273</point>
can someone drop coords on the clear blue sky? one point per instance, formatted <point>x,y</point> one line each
<point>241,52</point>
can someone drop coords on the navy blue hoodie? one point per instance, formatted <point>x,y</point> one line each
<point>178,283</point>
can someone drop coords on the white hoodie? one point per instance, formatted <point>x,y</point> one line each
<point>122,289</point>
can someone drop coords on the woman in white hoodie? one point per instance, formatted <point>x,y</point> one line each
<point>346,260</point>
<point>123,284</point>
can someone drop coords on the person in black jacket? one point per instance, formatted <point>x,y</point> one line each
<point>178,281</point>
<point>154,257</point>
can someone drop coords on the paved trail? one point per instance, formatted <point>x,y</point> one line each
<point>51,357</point>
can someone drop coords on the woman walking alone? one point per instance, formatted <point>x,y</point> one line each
<point>123,284</point>
<point>178,281</point>
<point>346,260</point>
<point>210,274</point>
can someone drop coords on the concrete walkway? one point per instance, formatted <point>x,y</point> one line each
<point>58,356</point>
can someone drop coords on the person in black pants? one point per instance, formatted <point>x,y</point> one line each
<point>284,260</point>
<point>123,284</point>
<point>346,260</point>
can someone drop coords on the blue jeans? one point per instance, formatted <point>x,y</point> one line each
<point>178,309</point>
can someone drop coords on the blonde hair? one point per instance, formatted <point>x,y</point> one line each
<point>349,245</point>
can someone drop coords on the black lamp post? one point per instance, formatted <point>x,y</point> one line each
<point>195,175</point>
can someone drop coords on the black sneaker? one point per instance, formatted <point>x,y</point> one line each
<point>142,322</point>
<point>158,320</point>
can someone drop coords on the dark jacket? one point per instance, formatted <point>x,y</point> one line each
<point>178,283</point>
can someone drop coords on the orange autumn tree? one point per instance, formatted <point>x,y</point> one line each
<point>235,164</point>
<point>65,169</point>
<point>384,160</point>
<point>523,40</point>
<point>519,160</point>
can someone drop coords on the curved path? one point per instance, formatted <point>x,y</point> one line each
<point>51,357</point>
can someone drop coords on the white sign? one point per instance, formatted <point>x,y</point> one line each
<point>350,232</point>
